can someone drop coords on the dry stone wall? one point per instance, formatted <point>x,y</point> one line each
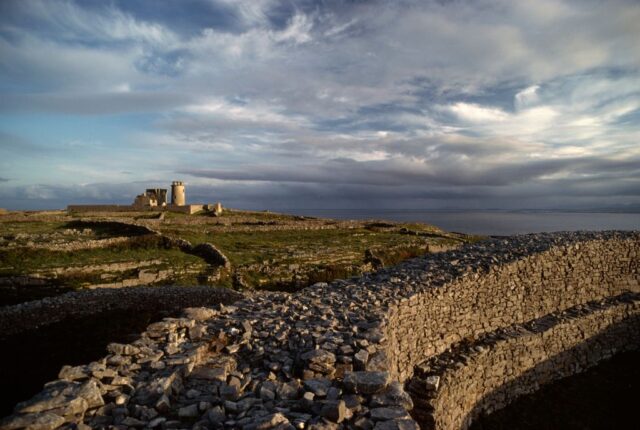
<point>333,356</point>
<point>428,322</point>
<point>481,376</point>
<point>29,316</point>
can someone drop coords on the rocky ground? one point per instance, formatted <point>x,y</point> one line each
<point>313,359</point>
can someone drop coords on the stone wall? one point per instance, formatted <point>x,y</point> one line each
<point>31,315</point>
<point>453,388</point>
<point>429,322</point>
<point>334,356</point>
<point>188,209</point>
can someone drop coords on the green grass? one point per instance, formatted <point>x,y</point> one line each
<point>269,259</point>
<point>29,226</point>
<point>291,246</point>
<point>22,260</point>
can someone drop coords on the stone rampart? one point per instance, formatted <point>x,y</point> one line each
<point>335,356</point>
<point>481,376</point>
<point>430,321</point>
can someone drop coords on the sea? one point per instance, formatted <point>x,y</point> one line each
<point>491,223</point>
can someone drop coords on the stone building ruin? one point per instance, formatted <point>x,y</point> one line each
<point>177,193</point>
<point>152,197</point>
<point>155,199</point>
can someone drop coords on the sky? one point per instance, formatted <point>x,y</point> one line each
<point>268,104</point>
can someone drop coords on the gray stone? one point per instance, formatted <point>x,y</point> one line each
<point>383,414</point>
<point>323,425</point>
<point>189,411</point>
<point>401,424</point>
<point>70,373</point>
<point>230,392</point>
<point>366,382</point>
<point>156,422</point>
<point>163,404</point>
<point>333,393</point>
<point>133,422</point>
<point>394,395</point>
<point>363,423</point>
<point>216,415</point>
<point>72,408</point>
<point>320,360</point>
<point>270,421</point>
<point>334,411</point>
<point>91,393</point>
<point>36,421</point>
<point>378,362</point>
<point>41,403</point>
<point>360,359</point>
<point>210,373</point>
<point>266,393</point>
<point>289,391</point>
<point>122,349</point>
<point>432,383</point>
<point>318,387</point>
<point>200,314</point>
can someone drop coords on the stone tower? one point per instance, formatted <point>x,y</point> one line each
<point>177,193</point>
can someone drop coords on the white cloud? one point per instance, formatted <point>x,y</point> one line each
<point>526,97</point>
<point>298,31</point>
<point>477,114</point>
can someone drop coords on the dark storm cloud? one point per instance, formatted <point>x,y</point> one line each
<point>396,173</point>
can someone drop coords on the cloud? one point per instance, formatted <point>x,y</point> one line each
<point>92,103</point>
<point>475,113</point>
<point>526,97</point>
<point>406,100</point>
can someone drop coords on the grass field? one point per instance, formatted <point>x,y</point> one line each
<point>267,250</point>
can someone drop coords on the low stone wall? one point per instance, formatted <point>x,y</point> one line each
<point>212,255</point>
<point>472,378</point>
<point>31,315</point>
<point>105,208</point>
<point>188,209</point>
<point>78,245</point>
<point>332,356</point>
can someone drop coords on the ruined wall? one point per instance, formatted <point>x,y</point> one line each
<point>333,355</point>
<point>429,322</point>
<point>479,377</point>
<point>188,209</point>
<point>31,315</point>
<point>106,208</point>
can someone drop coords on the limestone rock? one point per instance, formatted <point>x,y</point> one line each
<point>318,387</point>
<point>320,360</point>
<point>384,414</point>
<point>270,421</point>
<point>366,382</point>
<point>190,411</point>
<point>394,395</point>
<point>334,411</point>
<point>36,421</point>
